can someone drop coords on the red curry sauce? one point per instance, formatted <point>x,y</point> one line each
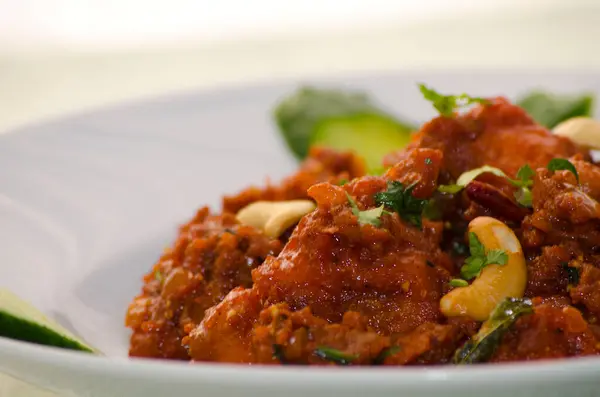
<point>226,293</point>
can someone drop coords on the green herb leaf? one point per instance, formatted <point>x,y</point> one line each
<point>549,110</point>
<point>158,276</point>
<point>476,248</point>
<point>563,164</point>
<point>401,200</point>
<point>385,353</point>
<point>368,217</point>
<point>342,182</point>
<point>525,176</point>
<point>496,257</point>
<point>334,355</point>
<point>467,177</point>
<point>428,161</point>
<point>472,267</point>
<point>479,259</point>
<point>458,282</point>
<point>483,345</point>
<point>446,105</point>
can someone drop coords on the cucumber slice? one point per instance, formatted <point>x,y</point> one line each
<point>298,114</point>
<point>370,136</point>
<point>19,320</point>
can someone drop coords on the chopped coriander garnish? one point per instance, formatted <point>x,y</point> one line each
<point>524,176</point>
<point>334,355</point>
<point>446,105</point>
<point>458,282</point>
<point>158,276</point>
<point>385,353</point>
<point>479,258</point>
<point>400,200</point>
<point>342,182</point>
<point>563,164</point>
<point>428,161</point>
<point>368,217</point>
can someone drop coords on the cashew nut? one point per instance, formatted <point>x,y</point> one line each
<point>495,282</point>
<point>274,217</point>
<point>582,130</point>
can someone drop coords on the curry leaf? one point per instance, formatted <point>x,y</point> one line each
<point>483,345</point>
<point>334,355</point>
<point>385,353</point>
<point>401,200</point>
<point>446,105</point>
<point>563,164</point>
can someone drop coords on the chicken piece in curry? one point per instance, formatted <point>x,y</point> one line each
<point>405,268</point>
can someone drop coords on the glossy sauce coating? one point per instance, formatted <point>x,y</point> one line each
<point>371,292</point>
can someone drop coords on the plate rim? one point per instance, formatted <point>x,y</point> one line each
<point>553,371</point>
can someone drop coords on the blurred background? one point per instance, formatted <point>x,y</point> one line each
<point>62,56</point>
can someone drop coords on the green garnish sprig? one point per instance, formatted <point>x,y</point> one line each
<point>478,260</point>
<point>367,217</point>
<point>447,105</point>
<point>563,165</point>
<point>400,199</point>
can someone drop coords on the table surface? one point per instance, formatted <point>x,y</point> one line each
<point>48,82</point>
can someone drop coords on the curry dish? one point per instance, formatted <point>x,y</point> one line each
<point>480,242</point>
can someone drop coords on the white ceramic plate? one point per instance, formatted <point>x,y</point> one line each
<point>88,203</point>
